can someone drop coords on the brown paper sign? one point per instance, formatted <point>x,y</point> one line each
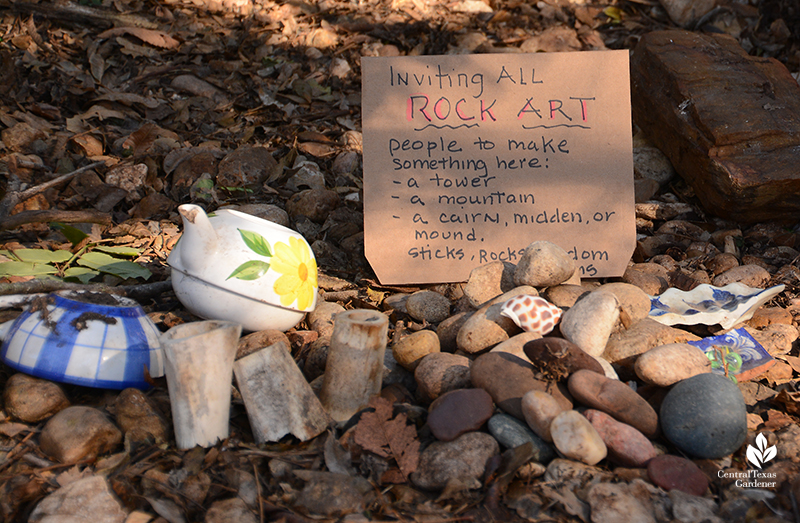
<point>470,159</point>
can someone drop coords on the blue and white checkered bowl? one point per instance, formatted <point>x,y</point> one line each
<point>84,338</point>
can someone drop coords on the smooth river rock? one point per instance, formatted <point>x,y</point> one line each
<point>615,398</point>
<point>507,378</point>
<point>558,358</point>
<point>589,322</point>
<point>674,472</point>
<point>626,445</point>
<point>458,412</point>
<point>463,459</point>
<point>487,327</point>
<point>31,400</point>
<point>429,306</point>
<point>705,416</point>
<point>78,433</point>
<point>409,351</point>
<point>539,410</point>
<point>516,344</point>
<point>668,364</point>
<point>633,301</point>
<point>625,346</point>
<point>544,264</point>
<point>488,281</point>
<point>575,438</point>
<point>441,372</point>
<point>511,433</point>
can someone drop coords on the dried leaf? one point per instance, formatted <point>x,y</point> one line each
<point>141,140</point>
<point>167,509</point>
<point>394,438</point>
<point>129,99</point>
<point>11,429</point>
<point>790,400</point>
<point>337,458</point>
<point>150,36</point>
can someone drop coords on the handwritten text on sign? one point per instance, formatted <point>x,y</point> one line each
<point>469,159</point>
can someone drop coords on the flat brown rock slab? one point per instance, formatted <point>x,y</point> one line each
<point>729,122</point>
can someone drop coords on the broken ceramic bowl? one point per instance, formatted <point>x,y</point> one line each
<point>232,266</point>
<point>84,338</point>
<point>709,305</point>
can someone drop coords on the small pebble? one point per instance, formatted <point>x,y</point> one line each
<point>447,330</point>
<point>516,344</point>
<point>674,472</point>
<point>463,459</point>
<point>544,264</point>
<point>135,413</point>
<point>575,438</point>
<point>705,416</point>
<point>409,351</point>
<point>565,295</point>
<point>750,275</point>
<point>511,433</point>
<point>539,409</point>
<point>559,358</point>
<point>668,364</point>
<point>428,306</point>
<point>30,399</point>
<point>632,300</point>
<point>441,372</point>
<point>650,283</point>
<point>487,326</point>
<point>626,445</point>
<point>589,322</point>
<point>615,398</point>
<point>321,318</point>
<point>78,433</point>
<point>457,412</point>
<point>624,347</point>
<point>507,378</point>
<point>489,281</point>
<point>256,341</point>
<point>316,358</point>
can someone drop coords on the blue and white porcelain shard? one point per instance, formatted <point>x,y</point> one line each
<point>72,338</point>
<point>754,357</point>
<point>710,305</point>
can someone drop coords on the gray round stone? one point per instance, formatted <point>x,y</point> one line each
<point>705,416</point>
<point>429,306</point>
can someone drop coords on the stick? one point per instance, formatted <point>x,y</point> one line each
<point>138,292</point>
<point>13,198</point>
<point>54,215</point>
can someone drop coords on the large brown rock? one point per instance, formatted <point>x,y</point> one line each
<point>729,122</point>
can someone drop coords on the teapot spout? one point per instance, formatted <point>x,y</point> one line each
<point>199,238</point>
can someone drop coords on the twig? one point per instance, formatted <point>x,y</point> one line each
<point>138,292</point>
<point>54,215</point>
<point>82,14</point>
<point>13,198</point>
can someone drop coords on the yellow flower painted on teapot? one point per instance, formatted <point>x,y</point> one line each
<point>299,273</point>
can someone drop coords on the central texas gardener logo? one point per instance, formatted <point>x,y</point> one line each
<point>759,456</point>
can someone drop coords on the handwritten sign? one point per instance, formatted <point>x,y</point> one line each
<point>469,159</point>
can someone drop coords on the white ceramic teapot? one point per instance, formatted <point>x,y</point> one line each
<point>233,266</point>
